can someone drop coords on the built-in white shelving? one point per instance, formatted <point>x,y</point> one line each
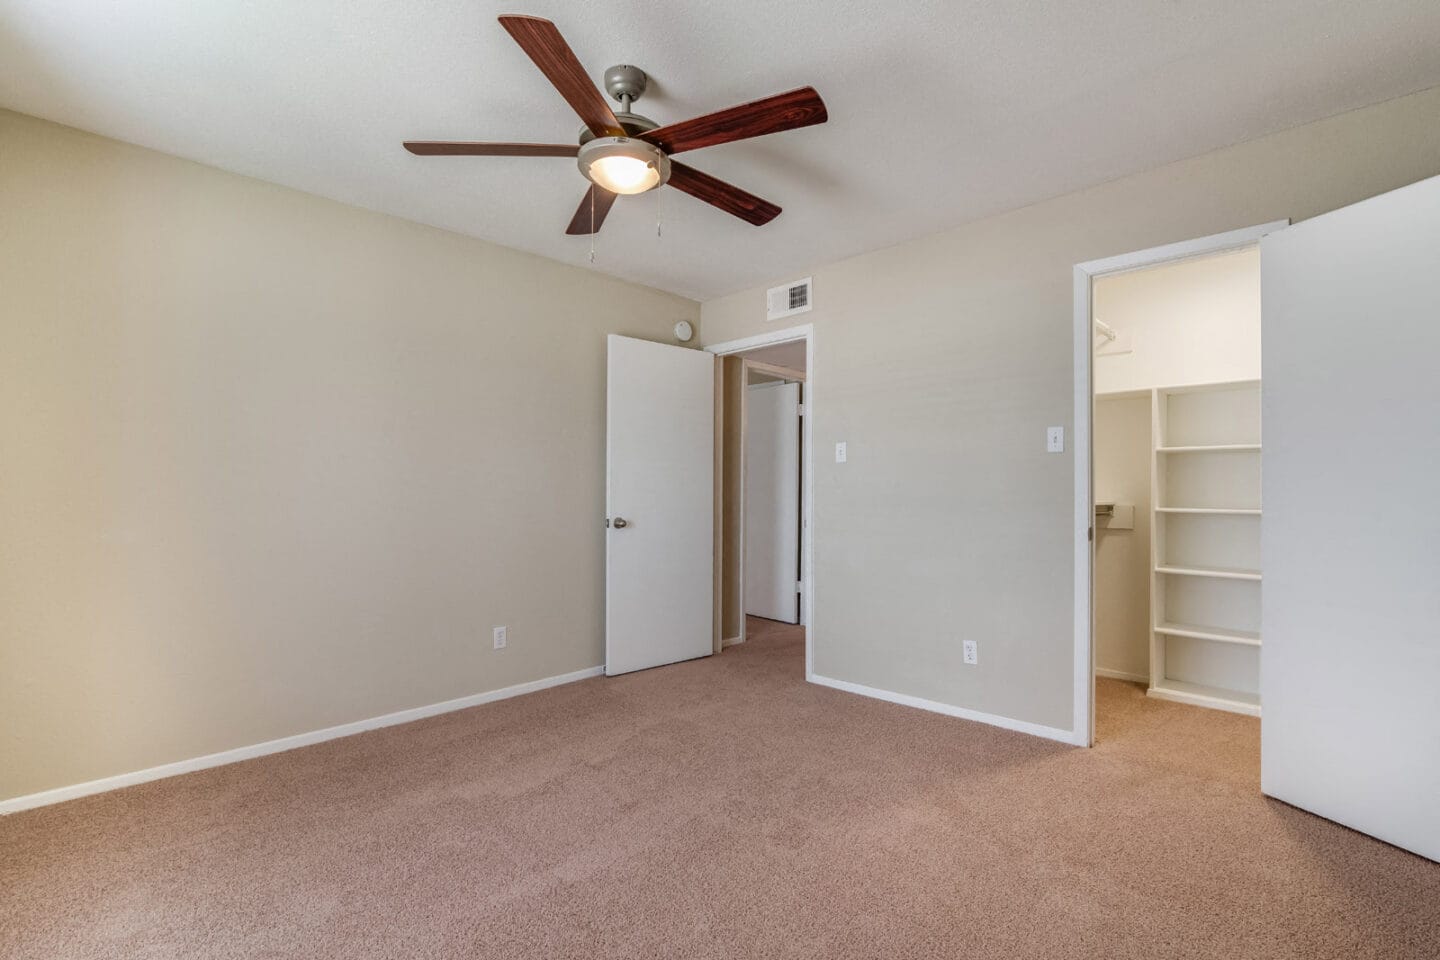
<point>1249,638</point>
<point>1223,573</point>
<point>1213,448</point>
<point>1230,511</point>
<point>1205,546</point>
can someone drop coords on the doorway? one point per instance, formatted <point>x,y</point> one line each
<point>1346,696</point>
<point>1168,474</point>
<point>765,553</point>
<point>770,557</point>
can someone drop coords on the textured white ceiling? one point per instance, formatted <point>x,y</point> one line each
<point>940,112</point>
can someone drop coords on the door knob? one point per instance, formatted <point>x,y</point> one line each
<point>620,523</point>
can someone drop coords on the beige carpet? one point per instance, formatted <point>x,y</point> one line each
<point>720,808</point>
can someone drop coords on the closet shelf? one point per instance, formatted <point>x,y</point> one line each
<point>1223,573</point>
<point>1211,448</point>
<point>1221,511</point>
<point>1248,638</point>
<point>1198,694</point>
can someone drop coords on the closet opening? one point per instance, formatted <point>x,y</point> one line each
<point>763,532</point>
<point>1174,567</point>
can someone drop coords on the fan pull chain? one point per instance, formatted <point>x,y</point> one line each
<point>659,210</point>
<point>592,224</point>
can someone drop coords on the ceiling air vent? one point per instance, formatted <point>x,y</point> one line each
<point>787,299</point>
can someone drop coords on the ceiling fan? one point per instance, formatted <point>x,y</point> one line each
<point>625,153</point>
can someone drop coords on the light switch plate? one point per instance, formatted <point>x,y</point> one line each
<point>1054,439</point>
<point>840,452</point>
<point>501,637</point>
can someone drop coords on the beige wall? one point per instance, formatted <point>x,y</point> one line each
<point>790,354</point>
<point>271,463</point>
<point>1122,557</point>
<point>942,360</point>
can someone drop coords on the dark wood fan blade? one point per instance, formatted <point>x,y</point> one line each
<point>588,218</point>
<point>448,148</point>
<point>784,111</point>
<point>718,193</point>
<point>542,42</point>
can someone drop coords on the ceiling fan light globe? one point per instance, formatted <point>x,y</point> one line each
<point>623,165</point>
<point>624,175</point>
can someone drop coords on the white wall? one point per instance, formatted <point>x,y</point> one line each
<point>273,464</point>
<point>1122,557</point>
<point>941,362</point>
<point>1196,321</point>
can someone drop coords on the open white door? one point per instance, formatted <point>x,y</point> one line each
<point>660,501</point>
<point>772,501</point>
<point>1350,611</point>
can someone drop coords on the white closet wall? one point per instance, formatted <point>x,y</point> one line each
<point>1195,321</point>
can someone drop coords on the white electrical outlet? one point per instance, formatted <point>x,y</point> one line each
<point>972,652</point>
<point>500,638</point>
<point>840,452</point>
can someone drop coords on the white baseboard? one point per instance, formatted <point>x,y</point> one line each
<point>61,794</point>
<point>731,641</point>
<point>934,706</point>
<point>1121,675</point>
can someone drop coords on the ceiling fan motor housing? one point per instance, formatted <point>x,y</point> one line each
<point>633,124</point>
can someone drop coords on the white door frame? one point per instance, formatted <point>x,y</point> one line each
<point>1083,440</point>
<point>804,332</point>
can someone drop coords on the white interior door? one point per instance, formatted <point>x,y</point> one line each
<point>772,501</point>
<point>659,539</point>
<point>1350,610</point>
